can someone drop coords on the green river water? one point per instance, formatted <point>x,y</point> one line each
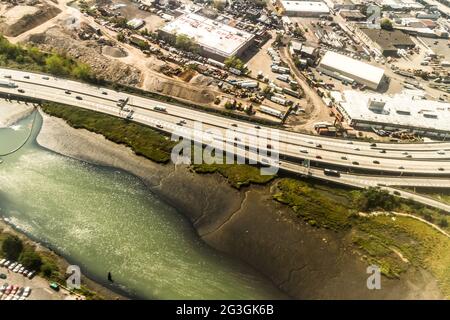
<point>106,220</point>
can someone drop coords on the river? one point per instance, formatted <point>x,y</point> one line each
<point>103,219</point>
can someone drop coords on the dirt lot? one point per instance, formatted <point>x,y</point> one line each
<point>131,10</point>
<point>19,19</point>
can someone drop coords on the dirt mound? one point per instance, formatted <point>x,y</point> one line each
<point>190,93</point>
<point>89,52</point>
<point>113,52</point>
<point>30,19</point>
<point>201,80</point>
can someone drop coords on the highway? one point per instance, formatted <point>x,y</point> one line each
<point>361,164</point>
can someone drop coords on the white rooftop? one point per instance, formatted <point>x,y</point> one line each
<point>212,35</point>
<point>399,4</point>
<point>305,6</point>
<point>353,67</point>
<point>407,109</point>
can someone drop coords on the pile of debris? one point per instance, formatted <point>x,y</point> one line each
<point>89,52</point>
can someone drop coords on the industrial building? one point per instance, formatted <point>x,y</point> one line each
<point>405,111</point>
<point>350,70</point>
<point>217,40</point>
<point>352,15</point>
<point>400,5</point>
<point>298,8</point>
<point>385,42</point>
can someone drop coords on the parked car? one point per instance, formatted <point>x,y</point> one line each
<point>3,287</point>
<point>12,265</point>
<point>54,286</point>
<point>26,292</point>
<point>14,290</point>
<point>8,289</point>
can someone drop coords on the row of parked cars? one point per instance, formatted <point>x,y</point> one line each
<point>17,267</point>
<point>10,292</point>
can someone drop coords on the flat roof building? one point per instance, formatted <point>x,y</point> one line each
<point>386,42</point>
<point>407,110</point>
<point>340,66</point>
<point>217,40</point>
<point>300,8</point>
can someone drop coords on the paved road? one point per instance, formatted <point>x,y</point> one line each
<point>296,146</point>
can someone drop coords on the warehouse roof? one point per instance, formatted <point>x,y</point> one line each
<point>305,6</point>
<point>407,109</point>
<point>351,67</point>
<point>212,35</point>
<point>389,39</point>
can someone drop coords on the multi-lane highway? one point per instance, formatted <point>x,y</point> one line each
<point>361,164</point>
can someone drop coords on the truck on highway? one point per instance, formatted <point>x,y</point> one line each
<point>7,84</point>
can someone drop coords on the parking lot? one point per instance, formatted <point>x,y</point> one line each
<point>17,286</point>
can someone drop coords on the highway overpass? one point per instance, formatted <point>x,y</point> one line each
<point>383,165</point>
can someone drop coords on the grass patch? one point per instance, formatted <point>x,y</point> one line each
<point>393,243</point>
<point>141,139</point>
<point>237,175</point>
<point>320,206</point>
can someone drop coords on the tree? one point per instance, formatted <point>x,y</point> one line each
<point>299,32</point>
<point>185,43</point>
<point>234,62</point>
<point>47,270</point>
<point>30,259</point>
<point>373,199</point>
<point>219,4</point>
<point>12,247</point>
<point>279,39</point>
<point>121,37</point>
<point>386,24</point>
<point>55,65</point>
<point>82,71</point>
<point>36,55</point>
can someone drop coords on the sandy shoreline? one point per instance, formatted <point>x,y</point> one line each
<point>305,262</point>
<point>11,112</point>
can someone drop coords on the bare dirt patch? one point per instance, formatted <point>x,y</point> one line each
<point>19,19</point>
